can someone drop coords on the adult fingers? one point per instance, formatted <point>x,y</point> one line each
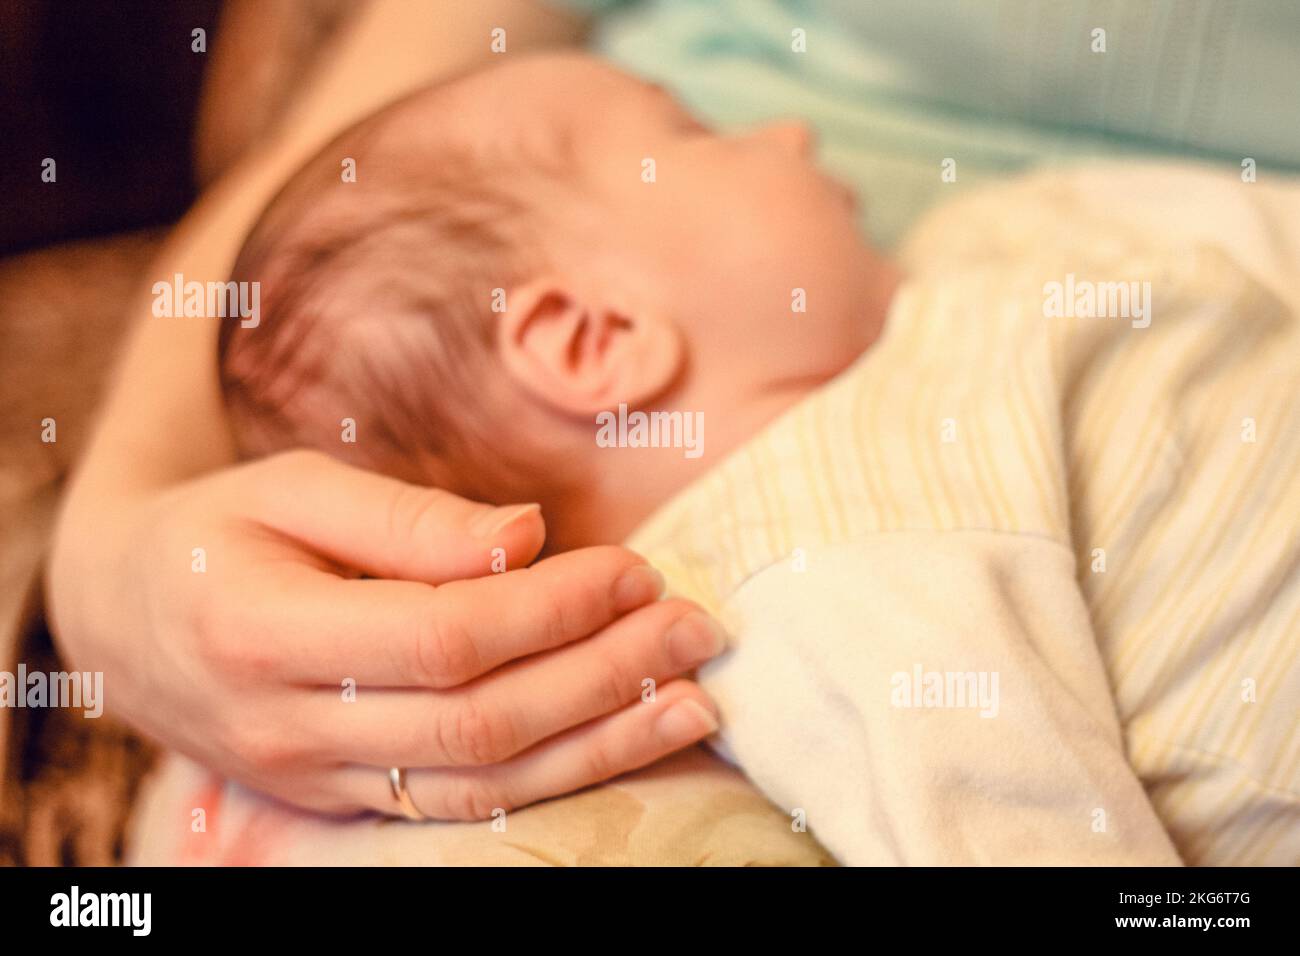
<point>320,629</point>
<point>385,527</point>
<point>633,737</point>
<point>510,710</point>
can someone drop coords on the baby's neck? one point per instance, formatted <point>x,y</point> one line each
<point>650,457</point>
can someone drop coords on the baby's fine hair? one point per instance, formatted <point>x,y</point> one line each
<point>377,303</point>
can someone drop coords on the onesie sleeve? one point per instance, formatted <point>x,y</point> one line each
<point>927,698</point>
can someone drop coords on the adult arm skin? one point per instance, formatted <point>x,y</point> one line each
<point>513,686</point>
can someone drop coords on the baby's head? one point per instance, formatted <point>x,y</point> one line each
<point>524,248</point>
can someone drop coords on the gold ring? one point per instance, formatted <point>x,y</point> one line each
<point>397,780</point>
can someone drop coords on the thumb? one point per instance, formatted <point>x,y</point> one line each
<point>388,528</point>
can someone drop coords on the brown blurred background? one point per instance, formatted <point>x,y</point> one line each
<point>137,122</point>
<point>109,90</point>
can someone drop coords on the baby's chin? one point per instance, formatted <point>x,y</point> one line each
<point>863,324</point>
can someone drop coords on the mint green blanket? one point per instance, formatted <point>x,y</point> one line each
<point>896,87</point>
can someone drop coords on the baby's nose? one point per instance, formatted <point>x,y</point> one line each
<point>792,136</point>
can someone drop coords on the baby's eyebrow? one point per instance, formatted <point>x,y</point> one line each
<point>659,91</point>
<point>650,89</point>
<point>668,98</point>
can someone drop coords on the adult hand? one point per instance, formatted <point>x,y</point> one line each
<point>315,578</point>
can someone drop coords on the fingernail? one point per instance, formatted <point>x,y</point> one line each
<point>636,586</point>
<point>683,722</point>
<point>694,639</point>
<point>491,523</point>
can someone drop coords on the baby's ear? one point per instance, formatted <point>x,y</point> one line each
<point>581,355</point>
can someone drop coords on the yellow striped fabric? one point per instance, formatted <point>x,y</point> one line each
<point>1165,457</point>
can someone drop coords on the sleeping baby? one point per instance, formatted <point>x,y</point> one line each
<point>992,571</point>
